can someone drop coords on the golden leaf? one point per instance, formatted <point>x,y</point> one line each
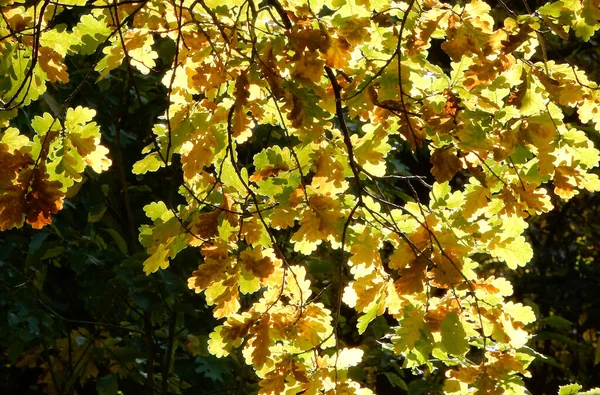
<point>260,342</point>
<point>253,230</point>
<point>419,40</point>
<point>227,299</point>
<point>477,197</point>
<point>283,217</point>
<point>208,273</point>
<point>320,222</point>
<point>338,53</point>
<point>329,176</point>
<point>52,64</point>
<point>196,154</point>
<point>365,254</point>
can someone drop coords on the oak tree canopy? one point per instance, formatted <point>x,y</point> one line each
<point>314,160</point>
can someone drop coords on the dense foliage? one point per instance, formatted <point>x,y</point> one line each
<point>298,196</point>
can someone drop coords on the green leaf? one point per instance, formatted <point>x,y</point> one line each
<point>396,381</point>
<point>570,389</point>
<point>15,350</point>
<point>107,385</point>
<point>44,124</point>
<point>60,40</point>
<point>365,319</point>
<point>557,322</point>
<point>118,239</point>
<point>410,330</point>
<point>532,100</point>
<point>212,368</point>
<point>90,32</point>
<point>150,162</point>
<point>454,337</point>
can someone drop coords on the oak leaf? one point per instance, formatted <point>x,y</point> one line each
<point>409,330</point>
<point>445,164</point>
<point>12,207</point>
<point>12,161</point>
<point>412,278</point>
<point>338,53</point>
<point>43,199</point>
<point>52,64</point>
<point>261,341</point>
<point>309,67</point>
<point>240,121</point>
<point>257,264</point>
<point>197,154</point>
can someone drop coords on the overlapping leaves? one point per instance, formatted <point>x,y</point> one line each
<point>337,82</point>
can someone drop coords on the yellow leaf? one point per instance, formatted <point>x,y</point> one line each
<point>158,260</point>
<point>196,154</point>
<point>514,252</point>
<point>338,53</point>
<point>348,357</point>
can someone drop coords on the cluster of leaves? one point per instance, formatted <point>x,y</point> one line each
<point>560,281</point>
<point>282,127</point>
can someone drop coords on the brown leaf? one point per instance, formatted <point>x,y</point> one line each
<point>252,230</point>
<point>261,342</point>
<point>434,317</point>
<point>419,40</point>
<point>11,163</point>
<point>240,120</point>
<point>309,66</point>
<point>413,130</point>
<point>226,209</point>
<point>412,278</point>
<point>451,107</point>
<point>205,225</point>
<point>447,271</point>
<point>257,264</point>
<point>268,172</point>
<point>297,113</point>
<point>311,39</point>
<point>12,207</point>
<point>43,199</point>
<point>445,164</point>
<point>477,198</point>
<point>268,66</point>
<point>228,302</point>
<point>355,30</point>
<point>52,64</point>
<point>392,105</point>
<point>208,273</point>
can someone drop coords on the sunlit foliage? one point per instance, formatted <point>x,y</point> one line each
<point>342,85</point>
